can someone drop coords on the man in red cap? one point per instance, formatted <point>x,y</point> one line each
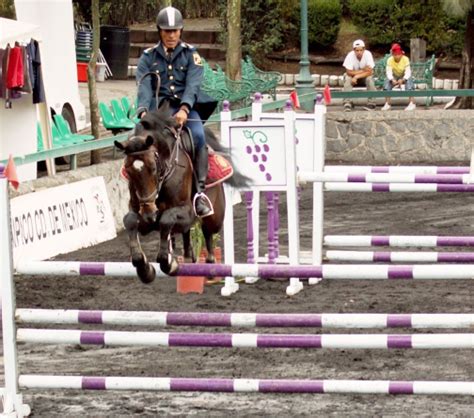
<point>398,74</point>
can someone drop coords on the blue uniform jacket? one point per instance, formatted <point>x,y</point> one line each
<point>181,77</point>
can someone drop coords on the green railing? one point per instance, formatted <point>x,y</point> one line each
<point>235,114</point>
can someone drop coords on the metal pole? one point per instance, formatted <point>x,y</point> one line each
<point>304,82</point>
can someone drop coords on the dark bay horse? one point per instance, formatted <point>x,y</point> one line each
<point>160,176</point>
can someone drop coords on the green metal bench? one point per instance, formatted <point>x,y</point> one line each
<point>421,72</point>
<point>217,85</point>
<point>261,81</point>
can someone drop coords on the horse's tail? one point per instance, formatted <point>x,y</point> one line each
<point>237,180</point>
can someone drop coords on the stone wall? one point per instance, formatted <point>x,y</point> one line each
<point>400,137</point>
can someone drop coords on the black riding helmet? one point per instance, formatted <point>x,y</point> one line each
<point>169,18</point>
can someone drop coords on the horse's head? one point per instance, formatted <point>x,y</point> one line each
<point>142,167</point>
<point>147,153</point>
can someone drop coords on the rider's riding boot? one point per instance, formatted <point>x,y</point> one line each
<point>202,204</point>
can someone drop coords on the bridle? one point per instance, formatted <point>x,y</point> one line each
<point>165,171</point>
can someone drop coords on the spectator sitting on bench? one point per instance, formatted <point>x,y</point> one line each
<point>398,73</point>
<point>359,65</point>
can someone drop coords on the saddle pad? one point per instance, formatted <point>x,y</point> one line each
<point>219,170</point>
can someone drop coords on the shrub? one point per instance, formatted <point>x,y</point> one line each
<point>387,21</point>
<point>262,28</point>
<point>324,21</point>
<point>7,9</point>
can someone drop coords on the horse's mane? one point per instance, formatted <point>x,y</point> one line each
<point>158,123</point>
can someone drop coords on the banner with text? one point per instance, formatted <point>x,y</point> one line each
<point>60,220</point>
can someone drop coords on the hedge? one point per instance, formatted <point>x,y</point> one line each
<point>324,21</point>
<point>386,21</point>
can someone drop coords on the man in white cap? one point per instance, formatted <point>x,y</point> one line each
<point>359,65</point>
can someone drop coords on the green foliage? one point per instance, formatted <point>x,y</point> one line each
<point>262,27</point>
<point>7,9</point>
<point>386,21</point>
<point>324,21</point>
<point>126,12</point>
<point>374,19</point>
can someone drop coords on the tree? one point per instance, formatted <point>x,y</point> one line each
<point>91,69</point>
<point>234,50</point>
<point>466,75</point>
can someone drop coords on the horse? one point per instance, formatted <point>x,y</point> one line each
<point>161,179</point>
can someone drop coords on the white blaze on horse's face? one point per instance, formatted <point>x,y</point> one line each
<point>138,165</point>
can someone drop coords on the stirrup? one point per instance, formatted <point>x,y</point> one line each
<point>196,197</point>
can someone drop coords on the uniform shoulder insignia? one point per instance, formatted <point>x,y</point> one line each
<point>186,45</point>
<point>149,50</point>
<point>197,58</point>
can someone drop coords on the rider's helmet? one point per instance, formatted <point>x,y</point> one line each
<point>169,18</point>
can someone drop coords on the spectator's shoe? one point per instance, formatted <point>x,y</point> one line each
<point>347,107</point>
<point>371,106</point>
<point>386,106</point>
<point>411,106</point>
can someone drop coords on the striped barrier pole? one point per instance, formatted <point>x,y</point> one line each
<point>264,271</point>
<point>398,241</point>
<point>244,320</point>
<point>247,385</point>
<point>385,178</point>
<point>398,187</point>
<point>401,256</point>
<point>227,340</point>
<point>427,169</point>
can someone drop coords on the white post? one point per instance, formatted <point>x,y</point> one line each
<point>230,286</point>
<point>12,403</point>
<point>292,197</point>
<point>318,195</point>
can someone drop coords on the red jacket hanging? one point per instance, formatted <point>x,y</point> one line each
<point>15,70</point>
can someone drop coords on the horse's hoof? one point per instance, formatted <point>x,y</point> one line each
<point>146,273</point>
<point>138,260</point>
<point>174,267</point>
<point>169,267</point>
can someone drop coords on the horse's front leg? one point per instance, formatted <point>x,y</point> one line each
<point>145,271</point>
<point>177,219</point>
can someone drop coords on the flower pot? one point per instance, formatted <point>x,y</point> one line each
<point>190,284</point>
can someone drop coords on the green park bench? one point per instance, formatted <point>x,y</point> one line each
<point>220,87</point>
<point>422,73</point>
<point>261,81</point>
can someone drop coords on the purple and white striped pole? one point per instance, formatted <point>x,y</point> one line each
<point>398,187</point>
<point>397,169</point>
<point>401,256</point>
<point>227,340</point>
<point>324,177</point>
<point>247,385</point>
<point>244,320</point>
<point>264,271</point>
<point>398,241</point>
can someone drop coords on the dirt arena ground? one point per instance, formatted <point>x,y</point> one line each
<point>362,213</point>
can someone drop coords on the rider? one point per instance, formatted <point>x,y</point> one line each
<point>180,69</point>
